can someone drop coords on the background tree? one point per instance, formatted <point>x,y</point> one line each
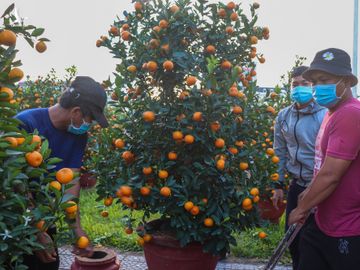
<point>45,90</point>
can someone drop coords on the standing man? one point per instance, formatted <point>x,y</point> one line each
<point>296,128</point>
<point>331,239</point>
<point>65,126</point>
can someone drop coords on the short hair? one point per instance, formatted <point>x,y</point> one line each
<point>67,101</point>
<point>298,71</point>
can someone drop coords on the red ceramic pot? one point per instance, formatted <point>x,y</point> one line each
<point>87,180</point>
<point>103,259</point>
<point>269,212</point>
<point>163,252</point>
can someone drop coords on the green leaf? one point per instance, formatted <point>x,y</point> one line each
<point>65,198</point>
<point>118,81</point>
<point>3,247</point>
<point>52,161</point>
<point>44,39</point>
<point>36,172</point>
<point>22,176</point>
<point>13,152</point>
<point>8,10</point>
<point>30,41</point>
<point>38,32</point>
<point>220,245</point>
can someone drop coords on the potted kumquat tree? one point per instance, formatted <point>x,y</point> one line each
<point>182,143</point>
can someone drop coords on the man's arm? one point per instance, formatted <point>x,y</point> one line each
<point>75,191</point>
<point>281,152</point>
<point>280,149</point>
<point>48,254</point>
<point>322,187</point>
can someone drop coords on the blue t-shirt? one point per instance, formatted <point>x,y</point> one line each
<point>67,146</point>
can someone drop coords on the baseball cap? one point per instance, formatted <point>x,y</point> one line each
<point>91,97</point>
<point>298,71</point>
<point>334,61</point>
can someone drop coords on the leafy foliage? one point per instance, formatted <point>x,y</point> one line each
<point>28,204</point>
<point>169,80</point>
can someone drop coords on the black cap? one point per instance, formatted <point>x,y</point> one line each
<point>91,97</point>
<point>298,71</point>
<point>334,61</point>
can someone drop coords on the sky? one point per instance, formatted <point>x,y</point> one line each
<point>73,26</point>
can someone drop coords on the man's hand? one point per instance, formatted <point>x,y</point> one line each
<point>301,195</point>
<point>277,197</point>
<point>48,254</point>
<point>82,252</point>
<point>297,216</point>
<point>75,192</point>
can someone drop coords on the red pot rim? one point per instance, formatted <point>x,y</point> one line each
<point>110,257</point>
<point>87,175</point>
<point>268,202</point>
<point>167,240</point>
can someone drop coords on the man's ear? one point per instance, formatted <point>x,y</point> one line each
<point>75,112</point>
<point>347,81</point>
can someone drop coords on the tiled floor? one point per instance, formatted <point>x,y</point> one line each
<point>137,262</point>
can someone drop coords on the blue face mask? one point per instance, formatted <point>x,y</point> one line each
<point>325,95</point>
<point>79,130</point>
<point>301,94</point>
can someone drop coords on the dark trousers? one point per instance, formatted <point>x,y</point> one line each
<point>292,201</point>
<point>34,263</point>
<point>319,251</point>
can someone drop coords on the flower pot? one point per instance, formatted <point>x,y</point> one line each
<point>87,180</point>
<point>103,259</point>
<point>164,252</point>
<point>269,212</point>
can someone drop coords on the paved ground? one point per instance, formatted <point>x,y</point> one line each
<point>137,262</point>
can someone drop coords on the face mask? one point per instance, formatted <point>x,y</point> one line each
<point>325,95</point>
<point>301,94</point>
<point>79,130</point>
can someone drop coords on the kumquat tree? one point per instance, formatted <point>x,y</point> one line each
<point>25,167</point>
<point>182,142</point>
